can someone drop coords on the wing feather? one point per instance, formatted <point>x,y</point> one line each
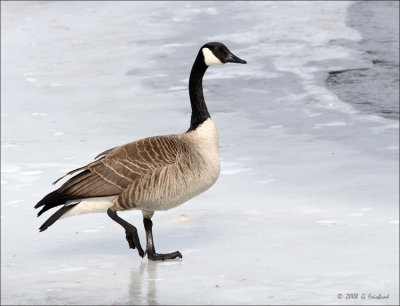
<point>118,168</point>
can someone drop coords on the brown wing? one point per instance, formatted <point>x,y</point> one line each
<point>119,167</point>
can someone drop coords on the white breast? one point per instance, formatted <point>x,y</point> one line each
<point>205,142</point>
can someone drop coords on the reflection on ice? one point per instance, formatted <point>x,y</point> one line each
<point>142,286</point>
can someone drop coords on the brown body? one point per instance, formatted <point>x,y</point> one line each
<point>155,173</point>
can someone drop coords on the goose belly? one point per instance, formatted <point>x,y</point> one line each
<point>173,187</point>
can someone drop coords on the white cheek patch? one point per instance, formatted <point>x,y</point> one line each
<point>210,58</point>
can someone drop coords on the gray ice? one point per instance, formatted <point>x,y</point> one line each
<point>299,214</point>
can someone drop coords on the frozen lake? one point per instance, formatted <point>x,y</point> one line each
<point>306,208</point>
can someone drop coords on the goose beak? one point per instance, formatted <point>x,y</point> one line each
<point>232,58</point>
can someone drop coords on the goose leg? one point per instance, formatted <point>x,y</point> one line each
<point>131,231</point>
<point>150,250</point>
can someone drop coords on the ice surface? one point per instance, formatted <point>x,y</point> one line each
<point>305,208</point>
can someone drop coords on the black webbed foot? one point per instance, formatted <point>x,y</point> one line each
<point>150,250</point>
<point>134,242</point>
<point>156,256</point>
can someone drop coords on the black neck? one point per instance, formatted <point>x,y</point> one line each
<point>199,107</point>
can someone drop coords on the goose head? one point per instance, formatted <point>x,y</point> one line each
<point>216,53</point>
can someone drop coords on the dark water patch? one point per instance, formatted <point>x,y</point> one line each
<point>335,72</point>
<point>373,90</point>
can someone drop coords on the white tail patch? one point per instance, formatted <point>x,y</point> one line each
<point>210,58</point>
<point>90,205</point>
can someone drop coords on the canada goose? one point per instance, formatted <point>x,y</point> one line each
<point>155,173</point>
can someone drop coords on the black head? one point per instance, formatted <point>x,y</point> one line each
<point>216,53</point>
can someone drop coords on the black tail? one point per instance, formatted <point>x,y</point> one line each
<point>52,200</point>
<point>54,217</point>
